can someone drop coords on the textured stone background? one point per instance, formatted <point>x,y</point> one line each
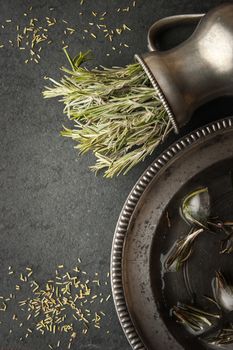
<point>52,208</point>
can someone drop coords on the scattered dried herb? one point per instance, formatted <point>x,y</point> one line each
<point>69,304</point>
<point>33,33</point>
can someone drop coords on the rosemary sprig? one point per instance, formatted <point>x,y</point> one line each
<point>192,317</point>
<point>212,300</point>
<point>223,337</point>
<point>223,292</point>
<point>182,250</point>
<point>227,243</point>
<point>195,207</point>
<point>116,113</point>
<point>227,228</point>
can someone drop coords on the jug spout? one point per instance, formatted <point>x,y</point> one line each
<point>198,70</point>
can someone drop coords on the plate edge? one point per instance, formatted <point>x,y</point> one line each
<point>127,211</point>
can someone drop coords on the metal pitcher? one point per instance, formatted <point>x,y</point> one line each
<point>197,71</point>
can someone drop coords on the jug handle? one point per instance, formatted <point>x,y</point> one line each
<point>166,23</point>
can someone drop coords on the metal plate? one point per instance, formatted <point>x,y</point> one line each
<point>143,294</point>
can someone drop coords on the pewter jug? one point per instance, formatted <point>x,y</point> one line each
<point>198,70</point>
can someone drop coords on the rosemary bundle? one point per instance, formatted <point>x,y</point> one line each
<point>116,112</point>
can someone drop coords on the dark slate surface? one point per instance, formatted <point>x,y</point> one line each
<point>52,208</point>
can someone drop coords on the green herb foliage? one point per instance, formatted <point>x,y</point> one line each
<point>116,113</point>
<point>223,337</point>
<point>182,250</point>
<point>192,317</point>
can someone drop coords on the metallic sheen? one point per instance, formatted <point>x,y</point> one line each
<point>197,71</point>
<point>129,210</point>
